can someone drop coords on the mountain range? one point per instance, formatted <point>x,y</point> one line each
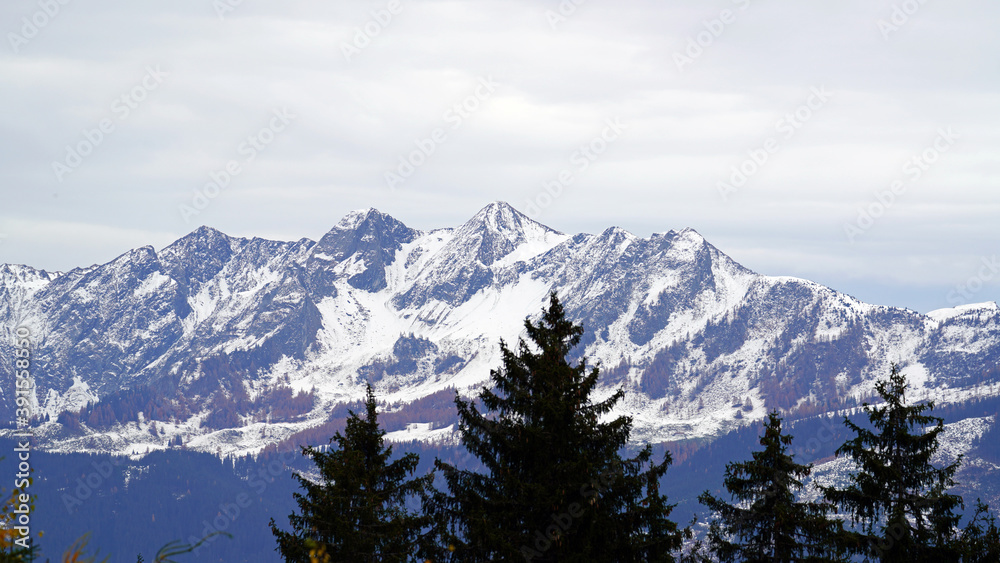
<point>228,345</point>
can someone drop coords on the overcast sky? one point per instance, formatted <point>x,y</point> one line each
<point>767,126</point>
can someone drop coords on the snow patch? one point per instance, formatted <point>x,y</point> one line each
<point>948,313</point>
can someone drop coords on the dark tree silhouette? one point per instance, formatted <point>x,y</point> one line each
<point>555,487</point>
<point>899,501</point>
<point>357,513</point>
<point>766,523</point>
<point>981,537</point>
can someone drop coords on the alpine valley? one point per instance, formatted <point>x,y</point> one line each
<point>235,346</point>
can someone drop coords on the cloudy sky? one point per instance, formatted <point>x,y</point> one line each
<point>854,143</point>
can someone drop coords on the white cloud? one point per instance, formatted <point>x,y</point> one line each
<point>686,129</point>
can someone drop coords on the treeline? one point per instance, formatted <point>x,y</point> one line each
<point>278,404</point>
<point>437,408</point>
<point>222,380</point>
<point>226,409</point>
<point>123,406</point>
<point>128,507</point>
<point>811,368</point>
<point>552,484</point>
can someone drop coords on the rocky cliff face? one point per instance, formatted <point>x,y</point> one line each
<point>215,322</point>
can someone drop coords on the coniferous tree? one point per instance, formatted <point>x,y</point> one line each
<point>767,524</point>
<point>897,499</point>
<point>981,537</point>
<point>555,487</point>
<point>357,513</point>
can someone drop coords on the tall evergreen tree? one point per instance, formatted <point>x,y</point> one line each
<point>357,513</point>
<point>555,487</point>
<point>767,524</point>
<point>981,537</point>
<point>897,499</point>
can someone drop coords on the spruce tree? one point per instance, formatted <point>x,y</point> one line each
<point>555,486</point>
<point>981,537</point>
<point>357,512</point>
<point>897,499</point>
<point>767,524</point>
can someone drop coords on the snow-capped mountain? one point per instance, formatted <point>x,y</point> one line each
<point>230,343</point>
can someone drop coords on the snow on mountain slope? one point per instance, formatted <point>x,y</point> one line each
<point>971,309</point>
<point>484,251</point>
<point>958,439</point>
<point>216,322</point>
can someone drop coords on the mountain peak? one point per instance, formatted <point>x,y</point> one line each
<point>501,216</point>
<point>198,255</point>
<point>687,233</point>
<point>368,235</point>
<point>498,229</point>
<point>496,237</point>
<point>617,232</point>
<point>370,221</point>
<point>498,210</point>
<point>691,234</point>
<point>206,231</point>
<point>355,218</point>
<point>200,238</point>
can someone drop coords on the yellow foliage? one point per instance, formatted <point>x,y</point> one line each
<point>318,554</point>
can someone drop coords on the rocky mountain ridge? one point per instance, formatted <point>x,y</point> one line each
<point>231,344</point>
